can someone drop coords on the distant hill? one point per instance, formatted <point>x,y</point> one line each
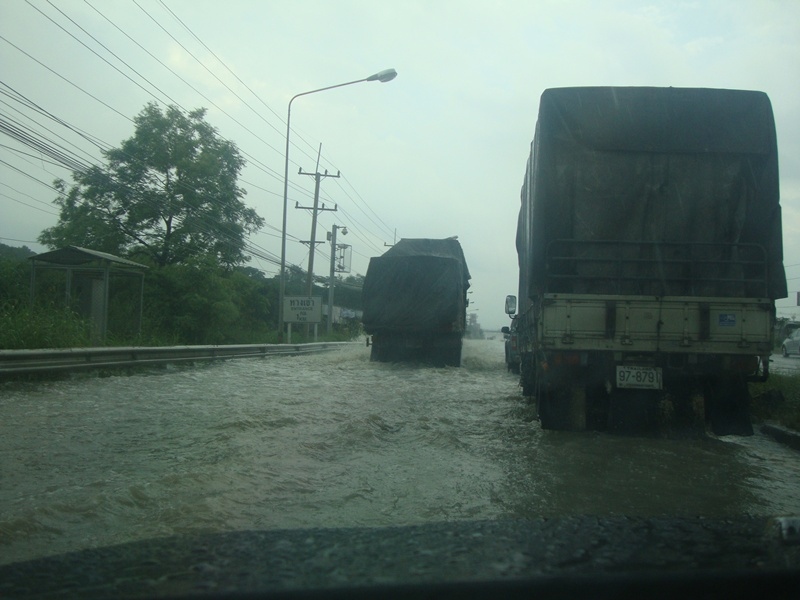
<point>15,253</point>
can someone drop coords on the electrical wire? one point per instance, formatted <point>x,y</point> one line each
<point>377,221</point>
<point>62,157</point>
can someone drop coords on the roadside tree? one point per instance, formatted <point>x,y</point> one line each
<point>169,193</point>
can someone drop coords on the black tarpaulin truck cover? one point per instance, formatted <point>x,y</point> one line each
<point>416,285</point>
<point>651,164</point>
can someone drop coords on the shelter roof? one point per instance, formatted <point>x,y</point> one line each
<point>77,256</point>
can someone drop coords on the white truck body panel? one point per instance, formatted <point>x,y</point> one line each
<point>651,324</point>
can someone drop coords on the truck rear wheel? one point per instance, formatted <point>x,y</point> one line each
<point>563,408</point>
<point>550,413</point>
<point>450,357</point>
<point>375,354</point>
<point>527,379</point>
<point>727,402</point>
<point>446,351</point>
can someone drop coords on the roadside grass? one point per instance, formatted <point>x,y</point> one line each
<point>32,328</point>
<point>23,327</point>
<point>777,400</point>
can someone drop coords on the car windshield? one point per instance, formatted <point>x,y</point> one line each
<point>253,267</point>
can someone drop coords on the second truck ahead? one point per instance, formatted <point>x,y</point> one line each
<point>650,255</point>
<point>415,302</point>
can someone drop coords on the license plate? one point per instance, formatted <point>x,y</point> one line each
<point>639,377</point>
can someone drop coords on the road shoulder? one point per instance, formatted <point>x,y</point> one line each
<point>781,434</point>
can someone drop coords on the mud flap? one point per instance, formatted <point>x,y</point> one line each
<point>728,406</point>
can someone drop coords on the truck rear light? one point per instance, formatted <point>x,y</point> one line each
<point>564,359</point>
<point>744,364</point>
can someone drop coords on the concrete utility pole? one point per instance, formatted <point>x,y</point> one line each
<point>314,211</point>
<point>331,277</point>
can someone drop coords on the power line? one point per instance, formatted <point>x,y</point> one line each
<point>74,166</point>
<point>201,94</point>
<point>28,175</point>
<point>125,75</point>
<point>22,100</point>
<point>13,189</point>
<point>31,155</point>
<point>248,88</point>
<point>253,159</point>
<point>20,241</point>
<point>30,104</point>
<point>377,223</point>
<point>197,38</point>
<point>41,145</point>
<point>107,49</point>
<point>65,79</point>
<point>69,158</point>
<point>26,204</point>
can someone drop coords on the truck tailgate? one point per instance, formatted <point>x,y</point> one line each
<point>654,324</point>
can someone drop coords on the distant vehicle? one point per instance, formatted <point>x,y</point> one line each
<point>511,345</point>
<point>785,328</point>
<point>650,252</point>
<point>511,348</point>
<point>415,302</point>
<point>791,345</point>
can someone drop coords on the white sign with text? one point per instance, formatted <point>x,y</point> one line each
<point>302,309</point>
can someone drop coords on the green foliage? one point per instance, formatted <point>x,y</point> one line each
<point>194,303</point>
<point>348,291</point>
<point>23,327</point>
<point>169,193</point>
<point>204,304</point>
<point>14,253</point>
<point>47,324</point>
<point>14,282</point>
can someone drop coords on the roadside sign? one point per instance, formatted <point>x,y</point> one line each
<point>302,309</point>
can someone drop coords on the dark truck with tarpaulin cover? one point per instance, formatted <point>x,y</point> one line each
<point>650,256</point>
<point>415,302</point>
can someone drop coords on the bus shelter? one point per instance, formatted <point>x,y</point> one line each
<point>87,279</point>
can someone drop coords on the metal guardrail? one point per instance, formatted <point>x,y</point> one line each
<point>69,359</point>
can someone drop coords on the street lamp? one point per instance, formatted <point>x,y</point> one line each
<point>383,77</point>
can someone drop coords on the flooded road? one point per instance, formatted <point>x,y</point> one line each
<point>334,440</point>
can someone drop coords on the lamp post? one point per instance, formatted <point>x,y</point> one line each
<point>383,77</point>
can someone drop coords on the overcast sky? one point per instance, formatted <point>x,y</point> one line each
<point>439,151</point>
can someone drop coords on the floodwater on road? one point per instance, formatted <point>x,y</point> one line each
<point>332,440</point>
